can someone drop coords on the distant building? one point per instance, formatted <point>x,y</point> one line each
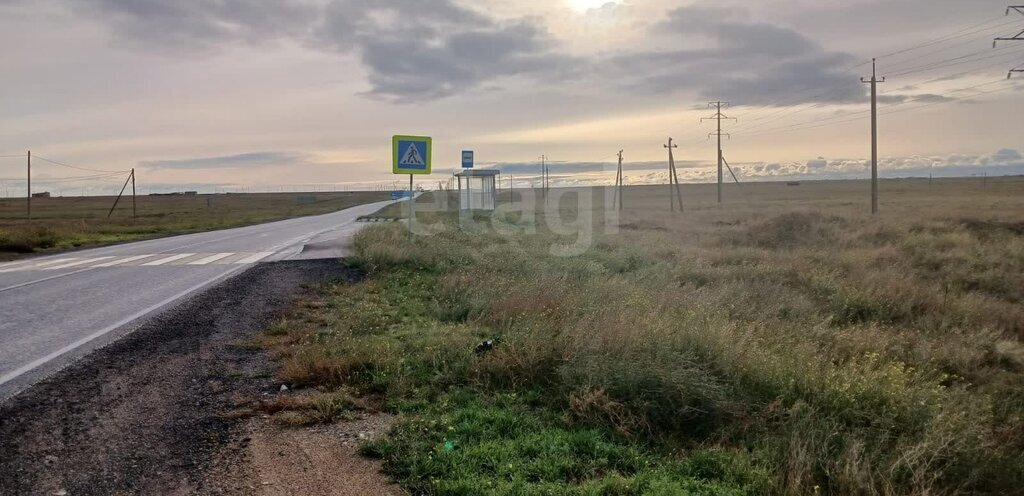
<point>44,194</point>
<point>176,193</point>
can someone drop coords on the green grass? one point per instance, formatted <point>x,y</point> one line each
<point>465,443</point>
<point>62,223</point>
<point>801,349</point>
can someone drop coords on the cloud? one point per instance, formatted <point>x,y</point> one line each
<point>753,63</point>
<point>414,50</point>
<point>1006,155</point>
<point>199,24</point>
<point>528,168</point>
<point>420,50</point>
<point>240,161</point>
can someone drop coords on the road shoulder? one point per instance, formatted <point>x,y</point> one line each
<point>148,414</point>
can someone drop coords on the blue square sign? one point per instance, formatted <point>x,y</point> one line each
<point>411,154</point>
<point>467,159</point>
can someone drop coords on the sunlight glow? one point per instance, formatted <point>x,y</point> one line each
<point>585,5</point>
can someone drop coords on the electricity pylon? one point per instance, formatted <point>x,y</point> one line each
<point>673,179</point>
<point>874,135</point>
<point>718,106</point>
<point>1018,37</point>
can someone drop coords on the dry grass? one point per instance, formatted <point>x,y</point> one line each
<point>60,223</point>
<point>848,354</point>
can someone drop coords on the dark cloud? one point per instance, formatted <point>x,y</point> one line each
<point>752,63</point>
<point>245,160</point>
<point>191,24</point>
<point>414,50</point>
<point>1006,155</point>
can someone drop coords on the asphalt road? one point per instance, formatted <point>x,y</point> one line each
<point>58,308</point>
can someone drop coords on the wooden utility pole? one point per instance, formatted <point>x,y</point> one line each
<point>617,199</point>
<point>673,179</point>
<point>28,197</point>
<point>544,174</point>
<point>718,106</point>
<point>874,135</point>
<point>131,179</point>
<point>135,214</point>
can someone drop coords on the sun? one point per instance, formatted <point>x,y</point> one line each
<point>585,5</point>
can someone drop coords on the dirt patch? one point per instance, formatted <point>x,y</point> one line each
<point>270,460</point>
<point>146,415</point>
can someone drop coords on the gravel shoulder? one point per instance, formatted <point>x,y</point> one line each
<point>146,415</point>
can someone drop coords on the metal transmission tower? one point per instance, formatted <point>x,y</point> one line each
<point>1018,37</point>
<point>617,199</point>
<point>874,135</point>
<point>673,179</point>
<point>718,106</point>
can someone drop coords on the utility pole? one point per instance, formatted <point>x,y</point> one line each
<point>544,175</point>
<point>617,199</point>
<point>874,135</point>
<point>673,179</point>
<point>130,178</point>
<point>718,106</point>
<point>135,214</point>
<point>1018,37</point>
<point>28,197</point>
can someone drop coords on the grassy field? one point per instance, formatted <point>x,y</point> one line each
<point>784,343</point>
<point>60,223</point>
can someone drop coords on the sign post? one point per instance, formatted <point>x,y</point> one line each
<point>467,163</point>
<point>411,155</point>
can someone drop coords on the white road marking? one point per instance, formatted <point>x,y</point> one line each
<point>14,374</point>
<point>39,264</point>
<point>120,261</point>
<point>211,258</point>
<point>168,259</point>
<point>255,257</point>
<point>7,265</point>
<point>77,263</point>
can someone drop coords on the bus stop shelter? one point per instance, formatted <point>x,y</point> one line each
<point>478,189</point>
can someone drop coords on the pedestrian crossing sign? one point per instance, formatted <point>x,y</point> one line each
<point>411,154</point>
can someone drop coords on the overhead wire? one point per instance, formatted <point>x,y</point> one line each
<point>953,36</point>
<point>827,121</point>
<point>77,167</point>
<point>951,63</point>
<point>985,26</point>
<point>821,123</point>
<point>811,106</point>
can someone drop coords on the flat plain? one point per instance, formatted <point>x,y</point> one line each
<point>71,222</point>
<point>785,342</point>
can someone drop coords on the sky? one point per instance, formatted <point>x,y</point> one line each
<point>303,94</point>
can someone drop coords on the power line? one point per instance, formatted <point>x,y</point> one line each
<point>918,57</point>
<point>54,162</point>
<point>816,124</point>
<point>73,179</point>
<point>949,63</point>
<point>758,127</point>
<point>964,32</point>
<point>952,36</point>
